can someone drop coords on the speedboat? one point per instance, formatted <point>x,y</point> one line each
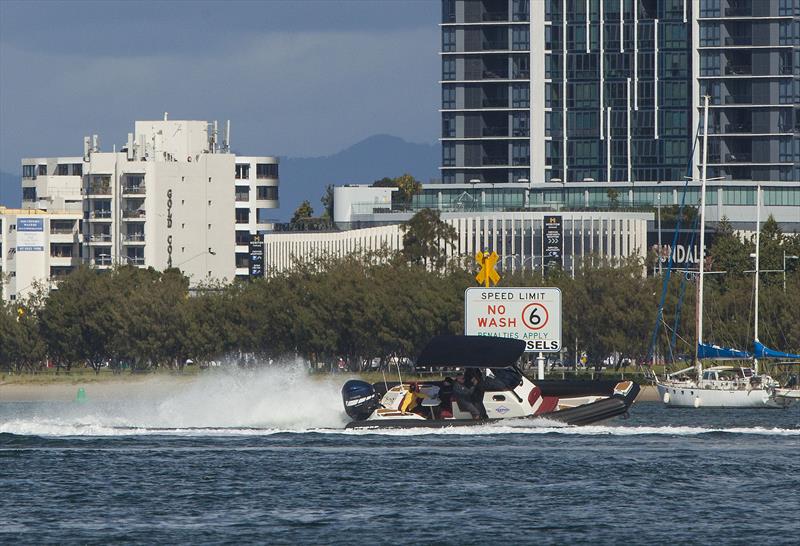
<point>500,387</point>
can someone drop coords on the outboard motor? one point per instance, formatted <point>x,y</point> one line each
<point>360,399</point>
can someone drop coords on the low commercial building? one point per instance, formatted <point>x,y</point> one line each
<point>37,248</point>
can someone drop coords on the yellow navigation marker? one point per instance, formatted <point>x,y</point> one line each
<point>487,273</point>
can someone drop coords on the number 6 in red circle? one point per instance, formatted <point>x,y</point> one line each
<point>535,316</point>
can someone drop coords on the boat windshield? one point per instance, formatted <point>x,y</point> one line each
<point>504,379</point>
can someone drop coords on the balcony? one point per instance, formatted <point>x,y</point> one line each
<point>100,214</point>
<point>739,41</point>
<point>494,75</point>
<point>521,74</point>
<point>739,157</point>
<point>495,16</point>
<point>98,189</point>
<point>133,215</point>
<point>739,99</point>
<point>738,70</point>
<point>495,103</point>
<point>738,128</point>
<point>497,45</point>
<point>242,197</point>
<point>495,131</point>
<point>494,161</point>
<point>102,260</point>
<point>134,260</point>
<point>133,238</point>
<point>98,238</point>
<point>739,11</point>
<point>134,190</point>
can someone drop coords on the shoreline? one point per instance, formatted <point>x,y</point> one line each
<point>145,387</point>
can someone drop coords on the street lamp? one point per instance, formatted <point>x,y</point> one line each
<point>785,257</point>
<point>474,181</point>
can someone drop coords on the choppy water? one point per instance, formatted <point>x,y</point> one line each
<point>235,459</point>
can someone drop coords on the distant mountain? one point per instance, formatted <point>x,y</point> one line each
<point>10,190</point>
<point>362,163</point>
<point>306,177</point>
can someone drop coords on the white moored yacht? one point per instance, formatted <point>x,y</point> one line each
<point>724,386</point>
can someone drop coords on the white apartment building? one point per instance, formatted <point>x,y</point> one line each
<point>36,247</point>
<point>172,196</point>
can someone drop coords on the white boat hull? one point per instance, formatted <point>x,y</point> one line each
<point>696,397</point>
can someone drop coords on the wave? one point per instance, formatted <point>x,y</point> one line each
<point>37,428</point>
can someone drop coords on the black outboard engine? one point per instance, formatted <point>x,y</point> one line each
<point>360,399</point>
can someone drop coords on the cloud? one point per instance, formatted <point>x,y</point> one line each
<point>302,93</point>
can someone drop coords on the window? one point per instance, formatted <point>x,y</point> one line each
<point>448,69</point>
<point>29,171</point>
<point>267,193</point>
<point>448,39</point>
<point>29,194</point>
<point>520,10</point>
<point>710,8</point>
<point>448,98</point>
<point>266,170</point>
<point>42,170</point>
<point>448,154</point>
<point>673,35</point>
<point>520,123</point>
<point>520,153</point>
<point>448,126</point>
<point>448,11</point>
<point>520,38</point>
<point>520,96</point>
<point>709,34</point>
<point>709,63</point>
<point>784,197</point>
<point>739,196</point>
<point>62,169</point>
<point>242,171</point>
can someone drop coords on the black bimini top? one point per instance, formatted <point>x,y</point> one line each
<point>471,352</point>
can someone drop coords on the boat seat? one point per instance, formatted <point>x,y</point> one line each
<point>431,402</point>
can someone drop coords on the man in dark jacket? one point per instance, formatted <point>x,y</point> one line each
<point>464,395</point>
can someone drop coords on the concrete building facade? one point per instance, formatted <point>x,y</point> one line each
<point>37,248</point>
<point>172,196</point>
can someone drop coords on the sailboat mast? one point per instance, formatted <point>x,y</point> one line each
<point>704,173</point>
<point>755,281</point>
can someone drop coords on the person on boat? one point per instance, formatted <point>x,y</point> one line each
<point>473,377</point>
<point>412,398</point>
<point>465,394</point>
<point>446,398</point>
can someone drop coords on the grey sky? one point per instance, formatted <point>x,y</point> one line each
<point>296,78</point>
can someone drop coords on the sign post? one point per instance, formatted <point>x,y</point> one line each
<point>530,314</point>
<point>553,242</point>
<point>256,252</point>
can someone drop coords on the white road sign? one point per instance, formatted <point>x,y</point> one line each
<point>530,314</point>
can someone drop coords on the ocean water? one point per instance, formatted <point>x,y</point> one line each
<point>262,457</point>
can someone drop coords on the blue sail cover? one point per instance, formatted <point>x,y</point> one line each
<point>762,351</point>
<point>715,352</point>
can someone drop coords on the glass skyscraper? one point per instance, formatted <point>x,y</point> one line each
<point>609,90</point>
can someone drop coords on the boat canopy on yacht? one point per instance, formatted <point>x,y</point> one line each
<point>762,351</point>
<point>471,352</point>
<point>715,352</point>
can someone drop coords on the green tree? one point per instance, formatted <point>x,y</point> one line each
<point>426,239</point>
<point>304,211</point>
<point>408,186</point>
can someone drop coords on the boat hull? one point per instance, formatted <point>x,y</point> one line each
<point>694,397</point>
<point>595,412</point>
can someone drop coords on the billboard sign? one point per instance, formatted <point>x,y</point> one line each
<point>530,314</point>
<point>553,234</point>
<point>30,234</point>
<point>256,251</point>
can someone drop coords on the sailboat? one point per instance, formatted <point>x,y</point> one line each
<point>721,386</point>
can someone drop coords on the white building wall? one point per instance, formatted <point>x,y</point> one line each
<point>515,236</point>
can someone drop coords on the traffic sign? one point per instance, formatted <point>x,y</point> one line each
<point>530,314</point>
<point>487,273</point>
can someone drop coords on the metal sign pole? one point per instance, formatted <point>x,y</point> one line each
<point>540,365</point>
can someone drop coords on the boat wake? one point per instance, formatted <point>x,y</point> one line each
<point>282,398</point>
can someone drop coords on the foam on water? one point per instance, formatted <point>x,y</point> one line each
<point>282,398</point>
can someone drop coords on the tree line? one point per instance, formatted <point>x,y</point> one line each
<point>384,304</point>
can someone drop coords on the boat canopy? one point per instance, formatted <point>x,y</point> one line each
<point>471,352</point>
<point>715,352</point>
<point>762,351</point>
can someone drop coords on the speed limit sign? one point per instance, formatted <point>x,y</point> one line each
<point>530,314</point>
